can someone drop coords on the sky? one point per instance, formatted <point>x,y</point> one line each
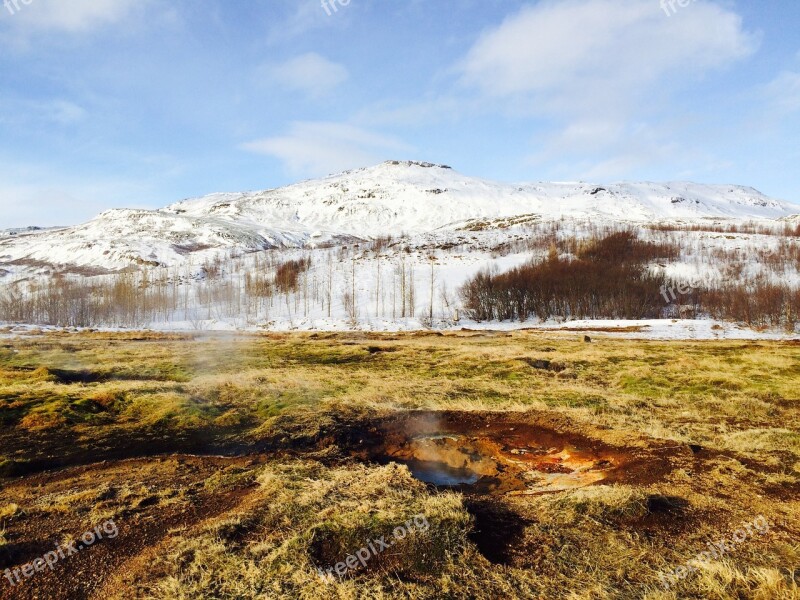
<point>141,103</point>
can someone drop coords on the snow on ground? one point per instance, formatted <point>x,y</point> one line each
<point>649,329</point>
<point>666,329</point>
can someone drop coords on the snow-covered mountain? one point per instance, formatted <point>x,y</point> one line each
<point>416,197</point>
<point>389,199</point>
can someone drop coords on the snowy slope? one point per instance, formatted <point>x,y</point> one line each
<point>20,231</point>
<point>120,238</point>
<point>417,197</point>
<point>390,198</point>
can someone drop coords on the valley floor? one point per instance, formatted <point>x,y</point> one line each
<point>302,465</point>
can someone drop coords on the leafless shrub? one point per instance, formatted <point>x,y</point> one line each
<point>287,275</point>
<point>607,279</point>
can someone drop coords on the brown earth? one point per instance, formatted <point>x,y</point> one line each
<point>506,457</point>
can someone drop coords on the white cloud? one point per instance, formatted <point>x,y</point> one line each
<point>75,16</point>
<point>783,92</point>
<point>600,71</point>
<point>319,148</point>
<point>604,150</point>
<point>40,113</point>
<point>25,205</point>
<point>309,73</point>
<point>62,112</point>
<point>580,52</point>
<point>32,196</point>
<point>303,17</point>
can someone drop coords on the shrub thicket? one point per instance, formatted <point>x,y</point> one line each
<point>607,278</point>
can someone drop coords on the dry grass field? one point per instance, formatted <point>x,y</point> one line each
<point>244,466</point>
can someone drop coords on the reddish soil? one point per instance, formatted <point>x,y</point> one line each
<point>521,454</point>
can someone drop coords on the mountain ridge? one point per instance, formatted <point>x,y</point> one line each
<point>394,197</point>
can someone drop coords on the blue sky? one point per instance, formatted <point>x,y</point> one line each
<point>139,103</point>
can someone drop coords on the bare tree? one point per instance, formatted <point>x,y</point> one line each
<point>432,260</point>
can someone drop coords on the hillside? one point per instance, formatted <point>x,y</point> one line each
<point>388,199</point>
<point>392,246</point>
